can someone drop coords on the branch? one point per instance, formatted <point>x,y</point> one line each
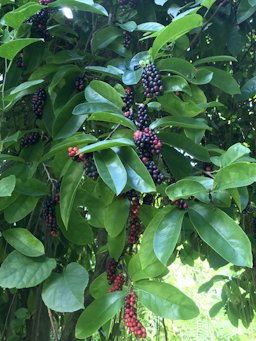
<point>52,325</point>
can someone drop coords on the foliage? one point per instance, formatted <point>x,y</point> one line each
<point>127,141</point>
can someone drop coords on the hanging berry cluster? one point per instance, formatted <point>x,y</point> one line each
<point>128,98</point>
<point>130,317</point>
<point>111,270</point>
<point>127,39</point>
<point>118,283</point>
<point>20,61</point>
<point>127,4</point>
<point>135,227</point>
<point>143,120</point>
<point>80,83</point>
<point>29,140</point>
<point>49,211</point>
<point>151,81</point>
<point>180,203</point>
<point>87,159</point>
<point>38,101</point>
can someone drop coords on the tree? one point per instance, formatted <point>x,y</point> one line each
<point>127,140</point>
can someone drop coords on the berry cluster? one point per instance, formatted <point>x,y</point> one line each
<point>80,83</point>
<point>20,61</point>
<point>135,230</point>
<point>153,170</point>
<point>45,2</point>
<point>111,270</point>
<point>29,140</point>
<point>87,159</point>
<point>208,167</point>
<point>128,98</point>
<point>39,21</point>
<point>148,199</point>
<point>127,4</point>
<point>49,216</point>
<point>143,117</point>
<point>38,101</point>
<point>152,82</point>
<point>118,283</point>
<point>182,204</point>
<point>130,317</point>
<point>148,142</point>
<point>127,39</point>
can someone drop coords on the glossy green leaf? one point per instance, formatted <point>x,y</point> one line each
<point>112,118</point>
<point>68,188</point>
<point>25,86</point>
<point>32,187</point>
<point>91,108</point>
<point>135,269</point>
<point>19,271</point>
<point>98,313</point>
<point>7,186</point>
<point>238,174</point>
<point>178,66</point>
<point>224,81</point>
<point>108,71</point>
<point>99,287</point>
<point>98,91</point>
<point>20,208</point>
<point>244,11</point>
<point>176,83</point>
<point>167,235</point>
<point>182,122</point>
<point>23,241</point>
<point>18,16</point>
<point>117,244</point>
<point>248,90</point>
<point>175,30</point>
<point>9,49</point>
<point>214,59</point>
<point>111,170</point>
<point>182,142</point>
<point>166,301</point>
<point>81,5</point>
<point>233,154</point>
<point>150,27</point>
<point>184,188</point>
<point>222,234</point>
<point>132,77</point>
<point>138,176</point>
<point>104,37</point>
<point>106,144</point>
<point>64,292</point>
<point>118,208</point>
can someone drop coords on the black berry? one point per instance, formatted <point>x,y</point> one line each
<point>19,61</point>
<point>151,80</point>
<point>38,101</point>
<point>127,39</point>
<point>29,140</point>
<point>80,83</point>
<point>128,99</point>
<point>143,117</point>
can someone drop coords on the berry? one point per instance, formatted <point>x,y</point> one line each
<point>39,21</point>
<point>45,2</point>
<point>129,114</point>
<point>127,39</point>
<point>111,270</point>
<point>19,61</point>
<point>148,199</point>
<point>130,317</point>
<point>80,83</point>
<point>38,101</point>
<point>182,204</point>
<point>128,99</point>
<point>127,4</point>
<point>155,173</point>
<point>29,140</point>
<point>143,117</point>
<point>152,82</point>
<point>49,215</point>
<point>147,142</point>
<point>87,159</point>
<point>117,283</point>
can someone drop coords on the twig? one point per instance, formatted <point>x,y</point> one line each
<point>52,325</point>
<point>7,316</point>
<point>165,330</point>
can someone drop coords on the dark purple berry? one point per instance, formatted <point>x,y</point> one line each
<point>151,81</point>
<point>38,101</point>
<point>29,140</point>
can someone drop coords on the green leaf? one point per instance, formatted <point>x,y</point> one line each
<point>18,16</point>
<point>138,176</point>
<point>64,292</point>
<point>132,77</point>
<point>99,287</point>
<point>175,30</point>
<point>176,83</point>
<point>182,122</point>
<point>179,66</point>
<point>112,118</point>
<point>20,208</point>
<point>150,27</point>
<point>108,71</point>
<point>7,186</point>
<point>81,5</point>
<point>25,86</point>
<point>182,142</point>
<point>98,91</point>
<point>167,235</point>
<point>248,90</point>
<point>104,37</point>
<point>68,188</point>
<point>98,313</point>
<point>135,269</point>
<point>244,11</point>
<point>224,81</point>
<point>184,188</point>
<point>116,245</point>
<point>106,144</point>
<point>78,140</point>
<point>239,174</point>
<point>214,59</point>
<point>111,170</point>
<point>222,234</point>
<point>32,187</point>
<point>165,300</point>
<point>118,208</point>
<point>23,241</point>
<point>129,26</point>
<point>233,154</point>
<point>9,49</point>
<point>92,108</point>
<point>19,271</point>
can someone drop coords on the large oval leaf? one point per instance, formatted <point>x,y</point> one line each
<point>222,233</point>
<point>111,170</point>
<point>235,175</point>
<point>20,208</point>
<point>19,271</point>
<point>138,176</point>
<point>118,208</point>
<point>112,118</point>
<point>68,188</point>
<point>91,108</point>
<point>106,144</point>
<point>167,235</point>
<point>165,300</point>
<point>182,122</point>
<point>184,189</point>
<point>98,313</point>
<point>23,241</point>
<point>10,48</point>
<point>65,292</point>
<point>7,186</point>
